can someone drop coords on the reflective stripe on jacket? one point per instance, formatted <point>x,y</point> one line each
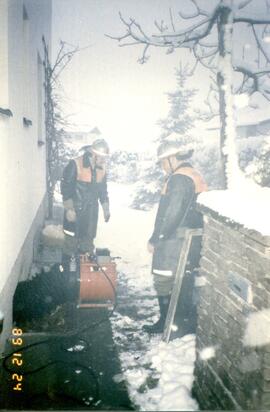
<point>176,212</point>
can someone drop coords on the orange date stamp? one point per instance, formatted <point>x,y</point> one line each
<point>17,359</point>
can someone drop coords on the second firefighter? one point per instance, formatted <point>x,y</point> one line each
<point>176,213</point>
<point>83,186</point>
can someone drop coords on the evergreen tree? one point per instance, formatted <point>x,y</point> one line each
<point>179,120</point>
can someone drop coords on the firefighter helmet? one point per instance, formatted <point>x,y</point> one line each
<point>100,147</point>
<point>167,149</point>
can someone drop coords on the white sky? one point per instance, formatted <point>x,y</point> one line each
<point>104,84</point>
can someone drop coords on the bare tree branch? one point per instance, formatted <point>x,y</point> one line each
<point>54,120</point>
<point>161,26</point>
<point>255,19</point>
<point>207,45</point>
<point>201,59</point>
<point>260,46</point>
<point>62,45</point>
<point>254,75</point>
<point>198,12</point>
<point>185,32</point>
<point>144,58</point>
<point>243,4</point>
<point>195,37</point>
<point>171,17</point>
<point>188,16</point>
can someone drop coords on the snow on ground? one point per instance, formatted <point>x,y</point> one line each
<point>159,375</point>
<point>127,233</point>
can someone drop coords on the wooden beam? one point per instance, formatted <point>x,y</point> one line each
<point>180,271</point>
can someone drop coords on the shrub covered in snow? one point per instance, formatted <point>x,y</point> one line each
<point>255,158</point>
<point>148,188</point>
<point>123,167</point>
<point>206,161</point>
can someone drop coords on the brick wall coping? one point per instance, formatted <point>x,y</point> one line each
<point>254,234</point>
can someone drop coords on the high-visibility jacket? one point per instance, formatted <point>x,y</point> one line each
<point>199,183</point>
<point>85,174</point>
<point>177,203</point>
<point>86,186</point>
<point>176,212</point>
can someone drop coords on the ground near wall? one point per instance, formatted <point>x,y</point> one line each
<point>70,358</point>
<point>158,376</point>
<point>66,370</point>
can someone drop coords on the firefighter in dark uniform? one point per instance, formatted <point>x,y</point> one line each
<point>176,213</point>
<point>83,186</point>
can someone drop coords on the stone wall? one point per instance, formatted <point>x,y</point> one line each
<point>232,369</point>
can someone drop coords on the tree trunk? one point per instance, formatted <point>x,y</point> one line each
<point>224,80</point>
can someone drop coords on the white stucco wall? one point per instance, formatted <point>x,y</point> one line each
<point>23,164</point>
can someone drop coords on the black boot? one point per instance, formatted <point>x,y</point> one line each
<point>158,327</point>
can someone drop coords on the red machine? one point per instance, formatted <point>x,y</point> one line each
<point>98,278</point>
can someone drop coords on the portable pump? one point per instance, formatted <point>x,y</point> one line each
<point>98,278</point>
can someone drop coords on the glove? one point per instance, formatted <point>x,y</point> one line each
<point>71,215</point>
<point>70,211</point>
<point>106,211</point>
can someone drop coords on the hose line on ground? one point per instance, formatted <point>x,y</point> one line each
<point>72,333</point>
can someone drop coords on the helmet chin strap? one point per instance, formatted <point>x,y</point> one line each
<point>170,164</point>
<point>173,169</point>
<point>91,158</point>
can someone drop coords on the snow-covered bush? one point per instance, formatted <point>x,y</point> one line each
<point>147,190</point>
<point>123,167</point>
<point>254,158</point>
<point>206,160</point>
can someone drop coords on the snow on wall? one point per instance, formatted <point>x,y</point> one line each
<point>23,170</point>
<point>225,69</point>
<point>245,202</point>
<point>247,205</point>
<point>258,329</point>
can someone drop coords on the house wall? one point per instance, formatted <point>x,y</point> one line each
<point>235,265</point>
<point>23,165</point>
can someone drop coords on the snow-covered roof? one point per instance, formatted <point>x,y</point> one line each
<point>257,111</point>
<point>95,130</point>
<point>244,117</point>
<point>77,134</point>
<point>250,116</point>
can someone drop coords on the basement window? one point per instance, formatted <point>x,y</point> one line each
<point>6,112</point>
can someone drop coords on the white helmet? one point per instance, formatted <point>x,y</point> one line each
<point>100,147</point>
<point>167,149</point>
